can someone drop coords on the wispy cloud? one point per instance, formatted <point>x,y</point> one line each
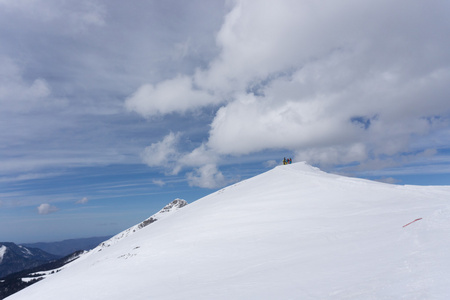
<point>83,200</point>
<point>158,182</point>
<point>29,176</point>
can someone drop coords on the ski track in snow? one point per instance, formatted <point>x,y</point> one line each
<point>294,232</point>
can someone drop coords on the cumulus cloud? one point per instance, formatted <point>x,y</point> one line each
<point>163,153</point>
<point>325,86</point>
<point>251,123</point>
<point>45,209</point>
<point>207,176</point>
<point>84,200</point>
<point>168,154</point>
<point>199,156</point>
<point>335,85</point>
<point>175,95</point>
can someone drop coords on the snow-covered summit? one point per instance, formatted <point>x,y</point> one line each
<point>171,207</point>
<point>293,232</point>
<point>301,166</point>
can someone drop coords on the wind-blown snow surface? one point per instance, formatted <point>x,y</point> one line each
<point>294,232</point>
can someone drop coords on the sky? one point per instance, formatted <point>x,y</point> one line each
<point>109,109</point>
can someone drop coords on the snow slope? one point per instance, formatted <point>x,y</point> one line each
<point>293,232</point>
<point>167,210</point>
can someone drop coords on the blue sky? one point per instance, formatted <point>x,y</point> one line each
<point>110,109</point>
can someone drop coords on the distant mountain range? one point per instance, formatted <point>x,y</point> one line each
<point>30,260</point>
<point>67,247</point>
<point>14,258</point>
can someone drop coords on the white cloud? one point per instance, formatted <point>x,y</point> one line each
<point>163,152</point>
<point>271,163</point>
<point>72,16</point>
<point>251,124</point>
<point>334,87</point>
<point>26,96</point>
<point>45,209</point>
<point>200,156</point>
<point>388,180</point>
<point>331,155</point>
<point>84,200</point>
<point>158,182</point>
<point>332,84</point>
<point>166,153</point>
<point>207,176</point>
<point>175,95</point>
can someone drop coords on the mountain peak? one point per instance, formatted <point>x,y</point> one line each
<point>173,206</point>
<point>293,232</point>
<point>164,212</point>
<point>302,166</point>
<point>168,209</point>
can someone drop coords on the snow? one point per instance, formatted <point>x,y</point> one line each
<point>293,232</point>
<point>2,252</point>
<point>25,251</point>
<point>163,213</point>
<point>44,274</point>
<point>28,279</point>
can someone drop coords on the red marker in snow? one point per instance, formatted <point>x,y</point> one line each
<point>412,222</point>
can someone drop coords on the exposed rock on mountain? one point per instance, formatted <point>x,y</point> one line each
<point>166,211</point>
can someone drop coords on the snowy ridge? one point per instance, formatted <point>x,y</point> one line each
<point>293,232</point>
<point>166,211</point>
<point>2,252</point>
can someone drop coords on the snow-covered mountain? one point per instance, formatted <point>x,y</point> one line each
<point>14,258</point>
<point>293,232</point>
<point>24,278</point>
<point>15,282</point>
